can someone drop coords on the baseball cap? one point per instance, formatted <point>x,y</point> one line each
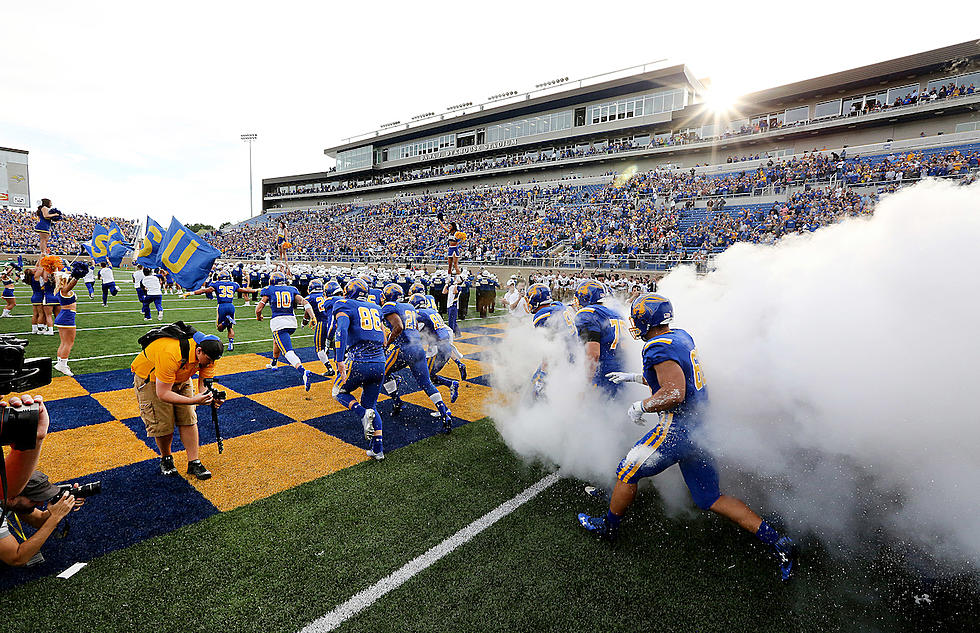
<point>39,489</point>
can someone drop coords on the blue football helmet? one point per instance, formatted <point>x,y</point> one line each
<point>332,288</point>
<point>419,300</point>
<point>416,288</point>
<point>277,279</point>
<point>392,293</point>
<point>356,288</point>
<point>315,285</point>
<point>538,295</point>
<point>224,276</point>
<point>649,310</point>
<point>589,292</point>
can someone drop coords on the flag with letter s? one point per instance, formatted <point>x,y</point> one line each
<point>186,255</point>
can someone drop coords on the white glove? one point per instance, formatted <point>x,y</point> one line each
<point>636,412</point>
<point>623,376</point>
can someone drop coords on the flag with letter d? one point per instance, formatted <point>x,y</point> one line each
<point>149,253</point>
<point>186,255</point>
<point>98,246</point>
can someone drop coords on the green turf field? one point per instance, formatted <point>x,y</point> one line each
<point>278,563</point>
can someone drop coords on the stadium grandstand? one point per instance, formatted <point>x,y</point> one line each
<point>634,169</point>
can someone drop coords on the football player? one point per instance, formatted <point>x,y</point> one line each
<point>551,314</point>
<point>360,360</point>
<point>436,334</point>
<point>322,298</point>
<point>678,398</point>
<point>407,351</point>
<point>601,329</point>
<point>283,300</point>
<point>225,289</point>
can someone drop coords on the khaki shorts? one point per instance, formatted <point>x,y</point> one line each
<point>159,417</point>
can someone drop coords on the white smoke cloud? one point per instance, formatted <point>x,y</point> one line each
<point>842,368</point>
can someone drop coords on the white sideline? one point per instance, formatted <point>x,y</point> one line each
<point>369,596</point>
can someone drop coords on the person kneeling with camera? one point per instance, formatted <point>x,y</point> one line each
<point>24,507</point>
<point>163,389</point>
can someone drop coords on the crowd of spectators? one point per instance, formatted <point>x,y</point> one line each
<point>17,231</point>
<point>639,217</point>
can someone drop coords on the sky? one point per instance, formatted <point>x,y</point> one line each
<point>130,109</point>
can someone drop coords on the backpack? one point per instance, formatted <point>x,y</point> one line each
<point>179,330</point>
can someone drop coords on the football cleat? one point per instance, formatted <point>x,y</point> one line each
<point>447,423</point>
<point>786,553</point>
<point>380,455</point>
<point>367,421</point>
<point>597,526</point>
<point>453,391</point>
<point>272,365</point>
<point>462,369</point>
<point>307,379</point>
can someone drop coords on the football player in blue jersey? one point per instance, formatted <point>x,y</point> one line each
<point>678,398</point>
<point>436,334</point>
<point>407,351</point>
<point>283,299</point>
<point>374,294</point>
<point>601,329</point>
<point>456,357</point>
<point>551,314</point>
<point>360,359</point>
<point>322,298</point>
<point>225,289</point>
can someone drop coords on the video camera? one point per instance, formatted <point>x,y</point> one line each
<point>18,427</point>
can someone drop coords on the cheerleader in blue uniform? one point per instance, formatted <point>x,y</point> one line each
<point>32,277</point>
<point>45,216</point>
<point>8,278</point>
<point>65,292</point>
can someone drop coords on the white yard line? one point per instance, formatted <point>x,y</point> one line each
<point>369,596</point>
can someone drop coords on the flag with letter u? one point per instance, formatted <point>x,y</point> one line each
<point>118,246</point>
<point>186,255</point>
<point>98,246</point>
<point>149,253</point>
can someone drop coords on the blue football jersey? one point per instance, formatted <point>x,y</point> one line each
<point>319,303</point>
<point>555,315</point>
<point>375,297</point>
<point>410,335</point>
<point>678,346</point>
<point>605,324</point>
<point>432,326</point>
<point>225,291</point>
<point>359,326</point>
<point>281,299</point>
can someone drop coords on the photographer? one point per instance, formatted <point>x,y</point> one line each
<point>162,373</point>
<point>22,460</point>
<point>37,492</point>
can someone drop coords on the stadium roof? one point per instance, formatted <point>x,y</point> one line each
<point>841,82</point>
<point>11,149</point>
<point>675,75</point>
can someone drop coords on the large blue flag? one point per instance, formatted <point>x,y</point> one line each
<point>149,253</point>
<point>118,245</point>
<point>187,255</point>
<point>98,246</point>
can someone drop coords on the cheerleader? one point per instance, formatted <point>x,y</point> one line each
<point>50,305</point>
<point>455,237</point>
<point>8,278</point>
<point>33,278</point>
<point>65,292</point>
<point>281,243</point>
<point>45,216</point>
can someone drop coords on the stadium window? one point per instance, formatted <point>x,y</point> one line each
<point>900,92</point>
<point>797,115</point>
<point>959,80</point>
<point>967,127</point>
<point>827,109</point>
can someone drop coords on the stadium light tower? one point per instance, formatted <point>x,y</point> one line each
<point>248,138</point>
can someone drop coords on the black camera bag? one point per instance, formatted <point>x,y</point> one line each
<point>178,330</point>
